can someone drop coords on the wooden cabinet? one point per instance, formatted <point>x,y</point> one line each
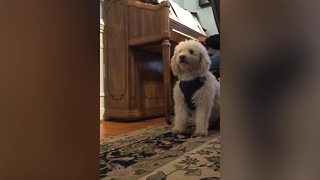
<point>138,47</point>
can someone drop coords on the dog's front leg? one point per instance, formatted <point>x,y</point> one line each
<point>202,120</point>
<point>180,118</point>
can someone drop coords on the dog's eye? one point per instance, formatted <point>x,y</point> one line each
<point>191,51</point>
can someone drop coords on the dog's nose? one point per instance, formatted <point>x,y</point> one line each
<point>182,58</point>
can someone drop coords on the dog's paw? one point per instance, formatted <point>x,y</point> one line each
<point>177,130</point>
<point>201,133</point>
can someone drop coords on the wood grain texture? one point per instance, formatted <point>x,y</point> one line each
<point>111,128</point>
<point>140,41</point>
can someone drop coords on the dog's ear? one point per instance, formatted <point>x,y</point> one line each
<point>174,64</point>
<point>200,58</point>
<point>204,62</point>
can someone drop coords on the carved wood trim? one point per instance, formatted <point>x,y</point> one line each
<point>122,94</point>
<point>108,3</point>
<point>144,39</point>
<point>184,29</point>
<point>148,6</point>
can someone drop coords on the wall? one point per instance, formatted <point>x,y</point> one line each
<point>205,14</point>
<point>102,109</point>
<point>180,2</point>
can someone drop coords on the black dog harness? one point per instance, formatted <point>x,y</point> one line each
<point>188,88</point>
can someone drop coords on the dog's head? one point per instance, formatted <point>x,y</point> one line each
<point>190,58</point>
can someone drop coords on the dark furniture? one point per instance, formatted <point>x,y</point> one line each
<point>215,4</point>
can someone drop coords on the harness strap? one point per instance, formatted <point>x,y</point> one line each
<point>188,88</point>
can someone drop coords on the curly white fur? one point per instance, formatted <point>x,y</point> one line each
<point>191,60</point>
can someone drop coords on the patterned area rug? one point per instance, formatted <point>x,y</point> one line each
<point>157,154</point>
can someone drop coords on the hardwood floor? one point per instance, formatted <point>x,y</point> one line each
<point>110,128</point>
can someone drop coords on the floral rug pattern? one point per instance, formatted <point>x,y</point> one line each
<point>202,163</point>
<point>138,154</point>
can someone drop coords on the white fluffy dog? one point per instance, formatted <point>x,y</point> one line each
<point>196,92</point>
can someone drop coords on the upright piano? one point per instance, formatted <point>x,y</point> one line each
<point>139,42</point>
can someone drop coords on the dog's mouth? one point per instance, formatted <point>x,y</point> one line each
<point>183,61</point>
